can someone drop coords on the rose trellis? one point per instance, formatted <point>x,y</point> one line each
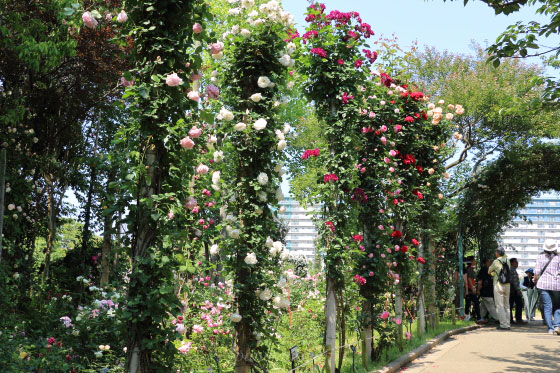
<point>254,70</point>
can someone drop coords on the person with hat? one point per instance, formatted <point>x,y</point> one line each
<point>528,282</point>
<point>530,294</point>
<point>547,279</point>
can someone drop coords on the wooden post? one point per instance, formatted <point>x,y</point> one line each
<point>2,191</point>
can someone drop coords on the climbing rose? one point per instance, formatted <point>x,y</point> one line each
<point>259,124</point>
<point>89,20</point>
<point>319,52</point>
<point>187,143</point>
<point>409,119</point>
<point>195,132</point>
<point>414,241</point>
<point>357,237</point>
<point>173,80</point>
<point>122,17</point>
<point>251,259</point>
<point>263,82</point>
<point>421,260</point>
<point>397,128</point>
<point>216,48</point>
<point>202,169</point>
<point>310,152</point>
<point>193,95</point>
<point>330,177</point>
<point>340,61</point>
<point>384,315</point>
<point>396,234</point>
<point>185,347</point>
<point>126,83</point>
<point>358,63</point>
<point>212,91</point>
<point>397,321</point>
<point>197,28</point>
<point>346,97</point>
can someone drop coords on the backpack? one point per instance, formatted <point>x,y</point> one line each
<point>503,277</point>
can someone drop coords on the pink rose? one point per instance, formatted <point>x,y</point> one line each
<point>191,203</point>
<point>216,48</point>
<point>386,160</point>
<point>173,80</point>
<point>197,28</point>
<point>397,321</point>
<point>196,76</point>
<point>212,91</point>
<point>202,169</point>
<point>122,17</point>
<point>193,95</point>
<point>397,128</point>
<point>197,329</point>
<point>383,140</point>
<point>89,20</point>
<point>383,128</point>
<point>187,143</point>
<point>195,132</point>
<point>384,315</point>
<point>108,17</point>
<point>392,153</point>
<point>126,83</point>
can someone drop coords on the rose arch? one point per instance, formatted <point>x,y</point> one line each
<point>505,186</point>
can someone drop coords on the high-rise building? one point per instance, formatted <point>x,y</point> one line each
<point>300,239</point>
<point>524,239</point>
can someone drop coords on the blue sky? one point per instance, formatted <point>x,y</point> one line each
<point>445,25</point>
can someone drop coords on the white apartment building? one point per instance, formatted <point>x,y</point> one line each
<point>524,239</point>
<point>300,239</point>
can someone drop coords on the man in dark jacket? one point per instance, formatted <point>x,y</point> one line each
<point>515,295</point>
<point>485,290</point>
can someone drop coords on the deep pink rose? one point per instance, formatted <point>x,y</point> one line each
<point>197,28</point>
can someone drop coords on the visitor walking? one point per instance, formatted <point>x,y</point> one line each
<point>548,283</point>
<point>485,290</point>
<point>515,297</point>
<point>499,270</point>
<point>470,294</point>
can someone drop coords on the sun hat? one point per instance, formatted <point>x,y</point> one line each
<point>530,270</point>
<point>549,245</point>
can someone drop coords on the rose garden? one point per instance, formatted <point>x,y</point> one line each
<point>175,122</point>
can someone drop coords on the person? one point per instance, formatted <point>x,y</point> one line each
<point>485,290</point>
<point>470,292</point>
<point>501,290</point>
<point>528,280</point>
<point>548,283</point>
<point>515,297</point>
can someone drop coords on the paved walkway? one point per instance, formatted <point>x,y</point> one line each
<point>525,348</point>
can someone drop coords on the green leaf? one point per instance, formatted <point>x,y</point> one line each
<point>96,14</point>
<point>144,92</point>
<point>68,11</point>
<point>496,62</point>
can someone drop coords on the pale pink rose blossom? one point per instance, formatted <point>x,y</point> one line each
<point>173,80</point>
<point>202,169</point>
<point>392,153</point>
<point>122,17</point>
<point>187,143</point>
<point>89,20</point>
<point>216,48</point>
<point>193,95</point>
<point>126,83</point>
<point>108,17</point>
<point>191,203</point>
<point>195,132</point>
<point>383,140</point>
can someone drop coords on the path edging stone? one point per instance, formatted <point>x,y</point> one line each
<point>395,365</point>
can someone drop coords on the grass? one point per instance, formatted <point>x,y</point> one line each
<point>306,365</point>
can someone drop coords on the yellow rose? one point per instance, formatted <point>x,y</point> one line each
<point>22,355</point>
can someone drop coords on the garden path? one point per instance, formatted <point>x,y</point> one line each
<point>526,348</point>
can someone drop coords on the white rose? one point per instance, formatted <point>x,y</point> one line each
<point>290,85</point>
<point>282,209</point>
<point>260,124</point>
<point>269,242</point>
<point>8,189</point>
<point>235,317</point>
<point>287,128</point>
<point>234,233</point>
<point>290,48</point>
<point>216,177</point>
<point>212,139</point>
<point>258,21</point>
<point>254,13</point>
<point>214,249</point>
<point>218,156</point>
<point>11,206</point>
<point>262,196</point>
<point>245,33</point>
<point>225,114</point>
<point>264,82</point>
<point>235,29</point>
<point>285,60</point>
<point>282,145</point>
<point>240,126</point>
<point>281,302</point>
<point>279,135</point>
<point>262,178</point>
<point>276,248</point>
<point>256,97</point>
<point>265,295</point>
<point>251,259</point>
<point>234,11</point>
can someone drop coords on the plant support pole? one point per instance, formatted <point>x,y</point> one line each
<point>460,281</point>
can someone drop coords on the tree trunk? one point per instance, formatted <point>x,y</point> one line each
<point>244,336</point>
<point>367,335</point>
<point>399,314</point>
<point>51,222</point>
<point>420,311</point>
<point>330,331</point>
<point>433,306</point>
<point>146,228</point>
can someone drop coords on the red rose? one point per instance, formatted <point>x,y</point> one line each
<point>357,237</point>
<point>421,260</point>
<point>420,169</point>
<point>417,95</point>
<point>396,234</point>
<point>414,241</point>
<point>404,249</point>
<point>409,119</point>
